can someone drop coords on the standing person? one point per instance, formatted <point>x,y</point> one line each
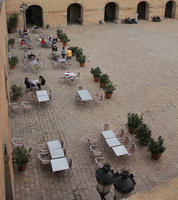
<point>63,53</point>
<point>69,54</point>
<point>43,43</point>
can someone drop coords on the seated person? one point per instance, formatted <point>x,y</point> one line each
<point>31,56</point>
<point>29,84</point>
<point>54,48</point>
<point>25,32</point>
<point>42,81</point>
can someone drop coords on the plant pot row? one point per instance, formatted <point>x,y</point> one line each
<point>104,81</point>
<point>136,126</point>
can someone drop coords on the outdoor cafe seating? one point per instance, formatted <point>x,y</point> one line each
<point>53,153</point>
<point>118,147</point>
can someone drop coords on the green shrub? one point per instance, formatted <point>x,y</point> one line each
<point>143,134</point>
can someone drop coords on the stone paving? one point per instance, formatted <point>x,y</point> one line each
<point>142,60</point>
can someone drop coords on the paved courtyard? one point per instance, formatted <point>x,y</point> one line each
<point>142,60</point>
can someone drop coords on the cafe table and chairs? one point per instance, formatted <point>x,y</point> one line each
<point>84,95</point>
<point>42,96</point>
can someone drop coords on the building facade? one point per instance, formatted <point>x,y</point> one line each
<point>6,167</point>
<point>63,12</point>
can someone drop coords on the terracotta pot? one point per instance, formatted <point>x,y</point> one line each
<point>131,130</point>
<point>96,79</point>
<point>73,54</point>
<point>13,66</point>
<point>64,44</point>
<point>82,64</point>
<point>16,98</point>
<point>102,85</point>
<point>108,96</point>
<point>22,168</point>
<point>155,156</point>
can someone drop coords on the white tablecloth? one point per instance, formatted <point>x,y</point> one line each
<point>42,96</point>
<point>84,95</point>
<point>59,164</point>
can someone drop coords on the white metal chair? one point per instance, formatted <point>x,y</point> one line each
<point>14,107</point>
<point>80,87</point>
<point>126,141</point>
<point>32,97</point>
<point>26,105</point>
<point>78,99</point>
<point>70,163</point>
<point>44,159</point>
<point>17,142</point>
<point>92,141</point>
<point>78,75</point>
<point>100,161</point>
<point>95,150</point>
<point>132,149</point>
<point>43,148</point>
<point>120,136</point>
<point>105,126</point>
<point>98,98</point>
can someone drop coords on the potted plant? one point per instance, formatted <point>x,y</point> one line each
<point>21,157</point>
<point>96,72</point>
<point>82,60</point>
<point>13,61</point>
<point>156,147</point>
<point>12,22</point>
<point>16,92</point>
<point>11,42</point>
<point>103,80</point>
<point>65,40</point>
<point>109,88</point>
<point>78,52</point>
<point>134,120</point>
<point>143,134</point>
<point>59,33</point>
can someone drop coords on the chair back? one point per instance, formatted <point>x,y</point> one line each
<point>92,141</point>
<point>70,163</point>
<point>43,161</point>
<point>127,140</point>
<point>122,133</point>
<point>132,149</point>
<point>105,127</point>
<point>78,75</point>
<point>62,143</point>
<point>80,87</point>
<point>65,152</point>
<point>17,142</point>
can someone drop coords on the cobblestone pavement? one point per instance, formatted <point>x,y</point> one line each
<point>142,60</point>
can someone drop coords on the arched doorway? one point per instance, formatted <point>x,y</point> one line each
<point>170,9</point>
<point>143,10</point>
<point>74,14</point>
<point>34,16</point>
<point>111,12</point>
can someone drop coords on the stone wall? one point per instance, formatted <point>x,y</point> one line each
<point>5,145</point>
<point>55,11</point>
